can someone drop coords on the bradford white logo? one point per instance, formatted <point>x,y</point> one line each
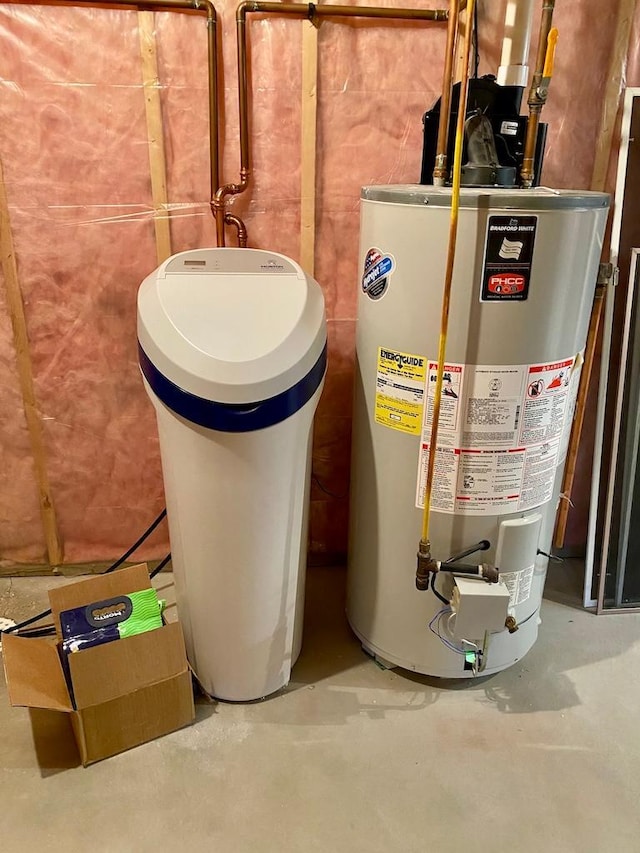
<point>377,269</point>
<point>506,283</point>
<point>511,249</point>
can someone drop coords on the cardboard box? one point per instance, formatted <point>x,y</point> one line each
<point>126,692</point>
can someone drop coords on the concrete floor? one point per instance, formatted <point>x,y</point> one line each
<point>544,756</point>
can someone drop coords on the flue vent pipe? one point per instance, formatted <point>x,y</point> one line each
<point>518,19</point>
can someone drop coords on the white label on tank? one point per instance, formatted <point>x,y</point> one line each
<point>493,402</point>
<point>518,584</point>
<point>501,429</point>
<point>509,128</point>
<point>445,478</point>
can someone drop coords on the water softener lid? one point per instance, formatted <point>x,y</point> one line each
<point>231,325</point>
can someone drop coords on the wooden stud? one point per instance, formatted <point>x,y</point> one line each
<point>309,134</point>
<point>578,419</point>
<point>613,94</point>
<point>15,307</point>
<point>155,134</point>
<point>68,570</point>
<point>604,146</point>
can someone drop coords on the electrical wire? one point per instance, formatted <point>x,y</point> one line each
<point>436,630</point>
<point>43,631</point>
<point>444,600</point>
<point>160,566</point>
<point>14,628</point>
<point>50,630</point>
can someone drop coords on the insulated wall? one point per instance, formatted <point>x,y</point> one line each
<point>75,149</point>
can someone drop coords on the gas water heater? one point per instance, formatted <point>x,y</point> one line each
<point>523,284</point>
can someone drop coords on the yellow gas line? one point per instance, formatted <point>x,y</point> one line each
<point>451,254</point>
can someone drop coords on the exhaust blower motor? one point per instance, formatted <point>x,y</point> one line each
<point>495,135</point>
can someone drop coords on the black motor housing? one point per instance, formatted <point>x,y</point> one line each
<point>501,105</point>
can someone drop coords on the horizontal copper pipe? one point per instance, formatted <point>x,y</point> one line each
<point>311,10</point>
<point>301,10</point>
<point>205,7</point>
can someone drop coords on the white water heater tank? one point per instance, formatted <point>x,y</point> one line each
<point>524,276</point>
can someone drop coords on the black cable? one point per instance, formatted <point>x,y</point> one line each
<point>26,622</point>
<point>160,566</point>
<point>136,544</point>
<point>111,568</point>
<point>435,591</point>
<point>50,630</point>
<point>551,557</point>
<point>482,545</point>
<point>45,631</point>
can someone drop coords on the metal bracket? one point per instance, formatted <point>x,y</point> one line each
<point>608,274</point>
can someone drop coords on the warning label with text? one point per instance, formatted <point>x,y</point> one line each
<point>499,438</point>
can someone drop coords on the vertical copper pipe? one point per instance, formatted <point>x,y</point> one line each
<point>219,201</point>
<point>440,170</point>
<point>212,59</point>
<point>536,101</point>
<point>243,98</point>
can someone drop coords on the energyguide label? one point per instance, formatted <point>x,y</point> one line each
<point>400,383</point>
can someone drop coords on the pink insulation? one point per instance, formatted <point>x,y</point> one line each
<point>73,143</point>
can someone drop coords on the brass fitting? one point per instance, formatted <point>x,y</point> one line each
<point>425,565</point>
<point>490,573</point>
<point>510,624</point>
<point>440,172</point>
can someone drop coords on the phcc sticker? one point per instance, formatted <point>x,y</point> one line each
<point>508,258</point>
<point>377,271</point>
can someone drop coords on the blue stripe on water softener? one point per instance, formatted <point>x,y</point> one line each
<point>233,417</point>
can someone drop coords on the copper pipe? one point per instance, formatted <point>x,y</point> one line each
<point>194,6</point>
<point>440,171</point>
<point>536,99</point>
<point>240,227</point>
<point>578,419</point>
<point>310,10</point>
<point>302,10</point>
<point>212,60</point>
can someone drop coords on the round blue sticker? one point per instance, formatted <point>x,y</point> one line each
<point>377,271</point>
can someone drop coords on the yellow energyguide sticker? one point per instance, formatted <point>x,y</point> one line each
<point>400,384</point>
